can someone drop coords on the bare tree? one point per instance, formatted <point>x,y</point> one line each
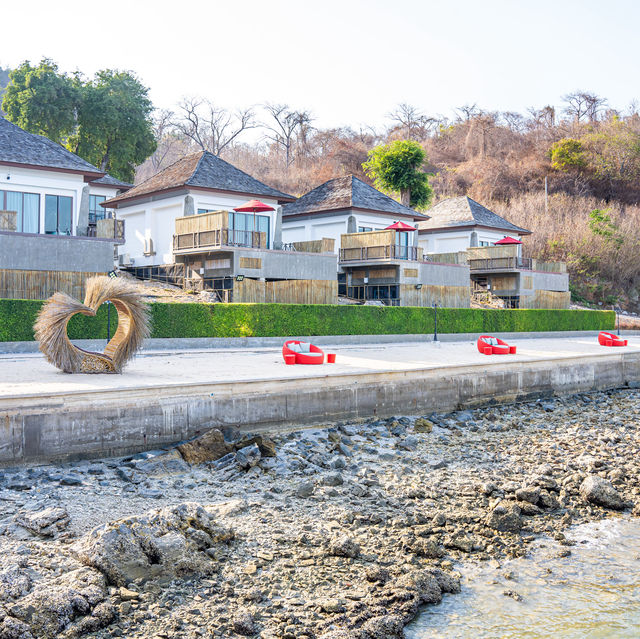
<point>583,106</point>
<point>413,124</point>
<point>165,137</point>
<point>210,127</point>
<point>513,120</point>
<point>468,112</point>
<point>288,129</point>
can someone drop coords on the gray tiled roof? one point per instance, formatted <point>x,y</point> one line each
<point>463,211</point>
<point>19,147</point>
<point>346,193</point>
<point>109,180</point>
<point>204,170</point>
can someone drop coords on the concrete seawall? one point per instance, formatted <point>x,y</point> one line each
<point>103,422</point>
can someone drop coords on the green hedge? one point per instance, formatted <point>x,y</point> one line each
<point>272,320</point>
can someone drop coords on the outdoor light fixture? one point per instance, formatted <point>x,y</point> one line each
<point>239,278</point>
<point>418,286</point>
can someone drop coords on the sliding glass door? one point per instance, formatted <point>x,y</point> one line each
<point>27,208</point>
<point>58,215</point>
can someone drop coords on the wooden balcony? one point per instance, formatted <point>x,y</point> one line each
<point>497,264</point>
<point>218,238</point>
<point>375,253</point>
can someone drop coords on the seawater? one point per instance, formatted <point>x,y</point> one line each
<point>592,594</point>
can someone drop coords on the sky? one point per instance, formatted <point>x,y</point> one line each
<point>349,62</point>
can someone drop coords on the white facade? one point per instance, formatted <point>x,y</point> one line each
<point>454,240</point>
<point>43,182</point>
<point>315,227</point>
<point>151,224</point>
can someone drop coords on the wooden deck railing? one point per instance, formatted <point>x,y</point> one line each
<point>219,237</point>
<point>387,252</point>
<point>501,264</point>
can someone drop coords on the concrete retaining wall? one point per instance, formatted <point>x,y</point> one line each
<point>76,425</point>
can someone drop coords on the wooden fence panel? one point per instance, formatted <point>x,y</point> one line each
<point>40,285</point>
<point>250,291</point>
<point>447,296</point>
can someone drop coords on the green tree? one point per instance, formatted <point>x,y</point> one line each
<point>41,100</point>
<point>115,129</point>
<point>396,167</point>
<point>567,154</point>
<point>601,225</point>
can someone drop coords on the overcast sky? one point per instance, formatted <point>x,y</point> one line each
<point>348,61</point>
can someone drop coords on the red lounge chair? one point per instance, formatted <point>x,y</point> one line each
<point>609,339</point>
<point>305,353</point>
<point>488,345</point>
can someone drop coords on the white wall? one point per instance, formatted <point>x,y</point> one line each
<point>453,241</point>
<point>333,226</point>
<point>43,183</point>
<point>156,221</point>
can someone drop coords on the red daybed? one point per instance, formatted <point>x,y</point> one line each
<point>304,352</point>
<point>488,345</point>
<point>609,339</point>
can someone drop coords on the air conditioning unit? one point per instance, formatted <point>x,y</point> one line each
<point>125,260</point>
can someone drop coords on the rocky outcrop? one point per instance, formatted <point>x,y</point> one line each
<point>162,544</point>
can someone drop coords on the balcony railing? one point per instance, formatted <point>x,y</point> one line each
<point>501,264</point>
<point>219,237</point>
<point>388,252</point>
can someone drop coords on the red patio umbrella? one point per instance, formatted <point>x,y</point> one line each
<point>400,226</point>
<point>508,240</point>
<point>254,206</point>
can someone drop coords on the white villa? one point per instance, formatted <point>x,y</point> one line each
<point>196,184</point>
<point>459,223</point>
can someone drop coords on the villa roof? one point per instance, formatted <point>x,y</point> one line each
<point>201,170</point>
<point>109,180</point>
<point>462,211</point>
<point>20,148</point>
<point>348,192</point>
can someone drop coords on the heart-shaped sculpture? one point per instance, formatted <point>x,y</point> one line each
<point>133,327</point>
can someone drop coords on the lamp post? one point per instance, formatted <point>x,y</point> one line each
<point>435,322</point>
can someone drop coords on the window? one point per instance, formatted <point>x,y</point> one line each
<point>27,207</point>
<point>58,214</point>
<point>96,212</point>
<point>364,229</point>
<point>482,243</point>
<point>242,224</point>
<point>201,211</point>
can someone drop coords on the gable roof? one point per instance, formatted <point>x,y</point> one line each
<point>20,148</point>
<point>464,212</point>
<point>348,192</point>
<point>201,170</point>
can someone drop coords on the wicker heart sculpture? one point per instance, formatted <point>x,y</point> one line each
<point>133,327</point>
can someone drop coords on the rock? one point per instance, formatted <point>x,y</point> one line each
<point>127,595</point>
<point>45,523</point>
<point>459,542</point>
<point>596,490</point>
<point>71,480</point>
<point>377,574</point>
<point>128,475</point>
<point>208,447</point>
<point>505,517</point>
<point>248,456</point>
<point>423,425</point>
<point>428,548</point>
<point>244,624</point>
<point>11,628</point>
<point>95,469</point>
<point>305,489</point>
<point>408,443</point>
<point>266,445</point>
<point>528,493</point>
<point>14,583</point>
<point>383,627</point>
<point>332,479</point>
<point>337,463</point>
<point>169,463</point>
<point>487,488</point>
<point>463,416</point>
<point>344,547</point>
<point>19,483</point>
<point>332,606</point>
<point>152,545</point>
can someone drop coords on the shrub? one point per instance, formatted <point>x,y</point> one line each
<point>280,320</point>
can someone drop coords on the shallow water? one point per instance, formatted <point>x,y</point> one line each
<point>592,594</point>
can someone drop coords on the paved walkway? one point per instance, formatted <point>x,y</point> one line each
<point>29,375</point>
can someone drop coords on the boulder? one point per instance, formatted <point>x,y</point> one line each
<point>208,447</point>
<point>45,523</point>
<point>248,456</point>
<point>423,425</point>
<point>505,517</point>
<point>596,490</point>
<point>159,544</point>
<point>344,547</point>
<point>528,493</point>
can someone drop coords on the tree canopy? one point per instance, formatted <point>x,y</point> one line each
<point>106,120</point>
<point>396,167</point>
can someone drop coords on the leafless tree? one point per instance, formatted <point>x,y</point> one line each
<point>513,120</point>
<point>468,112</point>
<point>413,124</point>
<point>288,129</point>
<point>210,127</point>
<point>583,106</point>
<point>165,137</point>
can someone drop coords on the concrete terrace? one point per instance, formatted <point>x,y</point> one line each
<point>167,396</point>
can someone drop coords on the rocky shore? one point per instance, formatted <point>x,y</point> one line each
<point>336,532</point>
